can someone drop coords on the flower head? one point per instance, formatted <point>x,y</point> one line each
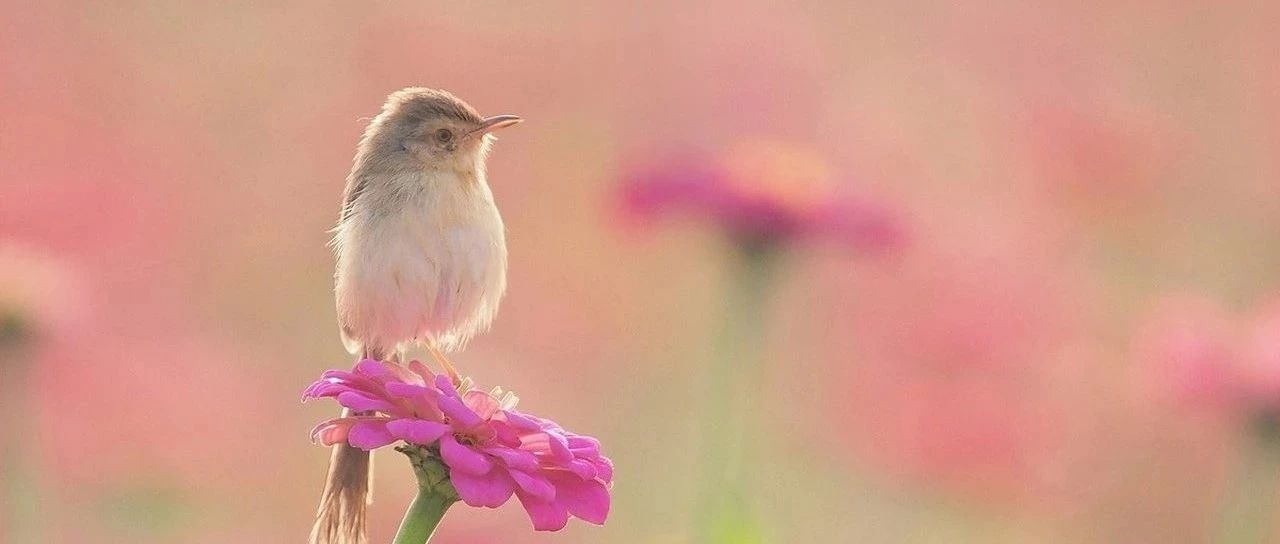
<point>759,192</point>
<point>1200,354</point>
<point>492,451</point>
<point>39,296</point>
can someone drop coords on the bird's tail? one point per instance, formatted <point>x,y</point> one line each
<point>347,493</point>
<point>348,490</point>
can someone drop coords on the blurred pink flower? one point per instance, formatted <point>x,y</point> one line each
<point>948,368</point>
<point>758,192</point>
<point>1194,352</point>
<point>972,435</point>
<point>1104,159</point>
<point>39,295</point>
<point>151,413</point>
<point>1260,352</point>
<point>492,451</point>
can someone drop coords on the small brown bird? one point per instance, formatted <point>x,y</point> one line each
<point>421,257</point>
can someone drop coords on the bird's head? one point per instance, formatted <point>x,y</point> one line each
<point>434,130</point>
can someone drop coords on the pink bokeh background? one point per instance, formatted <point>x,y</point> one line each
<point>168,172</point>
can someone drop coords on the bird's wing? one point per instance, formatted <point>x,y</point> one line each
<point>354,346</point>
<point>355,186</point>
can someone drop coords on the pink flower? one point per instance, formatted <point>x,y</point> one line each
<point>758,192</point>
<point>1198,353</point>
<point>492,450</point>
<point>1261,353</point>
<point>39,295</point>
<point>1103,159</point>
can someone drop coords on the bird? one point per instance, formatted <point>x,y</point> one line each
<point>421,258</point>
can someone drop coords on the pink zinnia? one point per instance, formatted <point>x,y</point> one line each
<point>39,295</point>
<point>1200,353</point>
<point>758,192</point>
<point>492,450</point>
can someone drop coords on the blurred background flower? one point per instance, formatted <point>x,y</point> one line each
<point>765,197</point>
<point>1199,354</point>
<point>39,301</point>
<point>1056,169</point>
<point>39,297</point>
<point>760,193</point>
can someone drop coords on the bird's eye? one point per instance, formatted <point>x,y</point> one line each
<point>444,135</point>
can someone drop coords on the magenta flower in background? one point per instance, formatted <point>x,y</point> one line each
<point>491,450</point>
<point>765,196</point>
<point>758,192</point>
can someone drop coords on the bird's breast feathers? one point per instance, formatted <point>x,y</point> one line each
<point>431,269</point>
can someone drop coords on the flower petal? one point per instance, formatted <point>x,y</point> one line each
<point>462,458</point>
<point>489,490</point>
<point>521,421</point>
<point>349,378</point>
<point>406,390</point>
<point>324,389</point>
<point>399,373</point>
<point>483,404</point>
<point>518,459</point>
<point>462,416</point>
<point>422,398</point>
<point>545,515</point>
<point>559,447</point>
<point>368,435</point>
<point>537,486</point>
<point>583,468</point>
<point>361,402</point>
<point>604,469</point>
<point>417,431</point>
<point>504,433</point>
<point>371,368</point>
<point>446,386</point>
<point>422,371</point>
<point>333,382</point>
<point>584,446</point>
<point>587,500</point>
<point>332,432</point>
<point>549,444</point>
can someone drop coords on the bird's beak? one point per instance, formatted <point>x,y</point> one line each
<point>494,123</point>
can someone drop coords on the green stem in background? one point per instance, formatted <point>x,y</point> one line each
<point>736,374</point>
<point>435,495</point>
<point>21,498</point>
<point>1247,516</point>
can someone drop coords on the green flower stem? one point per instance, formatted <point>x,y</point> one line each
<point>21,500</point>
<point>424,514</point>
<point>435,495</point>
<point>1248,513</point>
<point>735,374</point>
